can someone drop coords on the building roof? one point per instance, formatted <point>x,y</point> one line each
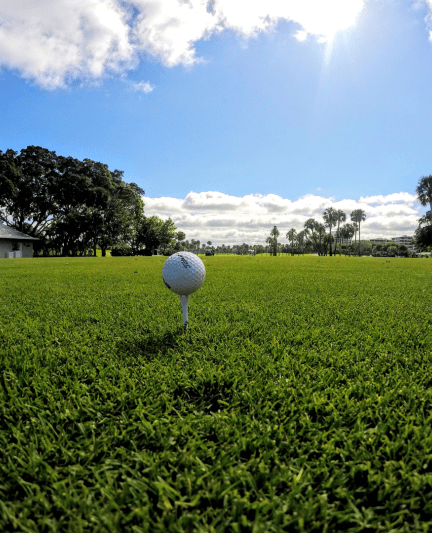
<point>7,232</point>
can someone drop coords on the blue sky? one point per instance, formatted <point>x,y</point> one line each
<point>230,114</point>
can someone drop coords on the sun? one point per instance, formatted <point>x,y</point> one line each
<point>326,19</point>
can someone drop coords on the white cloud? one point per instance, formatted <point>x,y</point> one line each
<point>420,4</point>
<point>403,197</point>
<point>142,86</point>
<point>53,42</point>
<point>226,219</point>
<point>301,35</point>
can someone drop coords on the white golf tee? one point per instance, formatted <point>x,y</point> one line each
<point>184,300</point>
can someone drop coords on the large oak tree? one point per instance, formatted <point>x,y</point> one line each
<point>69,204</point>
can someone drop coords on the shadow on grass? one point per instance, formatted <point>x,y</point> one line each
<point>150,345</point>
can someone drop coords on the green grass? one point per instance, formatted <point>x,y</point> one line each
<point>300,399</point>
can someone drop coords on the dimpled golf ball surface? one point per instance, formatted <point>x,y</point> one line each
<point>183,273</point>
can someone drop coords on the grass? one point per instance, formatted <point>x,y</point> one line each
<point>300,399</point>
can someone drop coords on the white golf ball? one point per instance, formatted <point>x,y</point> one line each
<point>183,273</point>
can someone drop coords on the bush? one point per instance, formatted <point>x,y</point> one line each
<point>121,250</point>
<point>147,252</point>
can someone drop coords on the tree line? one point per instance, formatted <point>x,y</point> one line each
<point>74,206</point>
<point>314,238</point>
<point>314,234</point>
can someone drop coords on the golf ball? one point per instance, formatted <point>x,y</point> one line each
<point>183,273</point>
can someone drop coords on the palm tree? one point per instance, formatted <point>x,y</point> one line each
<point>424,191</point>
<point>307,241</point>
<point>301,235</point>
<point>274,234</point>
<point>341,217</point>
<point>347,231</point>
<point>320,229</point>
<point>355,226</point>
<point>310,226</point>
<point>291,236</point>
<point>269,241</point>
<point>358,215</point>
<point>330,219</point>
<point>424,194</point>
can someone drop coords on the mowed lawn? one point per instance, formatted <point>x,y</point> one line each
<point>300,399</point>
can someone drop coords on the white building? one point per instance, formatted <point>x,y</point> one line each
<point>405,239</point>
<point>14,244</point>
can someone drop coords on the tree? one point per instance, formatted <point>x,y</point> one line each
<point>311,227</point>
<point>180,245</point>
<point>74,203</point>
<point>423,234</point>
<point>27,201</point>
<point>274,234</point>
<point>320,229</point>
<point>292,236</point>
<point>195,245</point>
<point>330,217</point>
<point>424,191</point>
<point>358,216</point>
<point>424,195</point>
<point>347,231</point>
<point>341,217</point>
<point>269,248</point>
<point>301,236</point>
<point>156,234</point>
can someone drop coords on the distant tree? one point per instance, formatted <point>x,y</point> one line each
<point>301,237</point>
<point>366,247</point>
<point>424,191</point>
<point>341,217</point>
<point>292,237</point>
<point>403,250</point>
<point>269,248</point>
<point>179,245</point>
<point>320,230</point>
<point>311,227</point>
<point>194,246</point>
<point>347,231</point>
<point>27,189</point>
<point>358,216</point>
<point>74,203</point>
<point>423,234</point>
<point>424,195</point>
<point>156,234</point>
<point>330,217</point>
<point>274,234</point>
<point>355,227</point>
<point>327,240</point>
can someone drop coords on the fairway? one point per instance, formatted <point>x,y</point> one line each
<point>300,398</point>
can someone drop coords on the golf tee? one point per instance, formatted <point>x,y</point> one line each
<point>184,300</point>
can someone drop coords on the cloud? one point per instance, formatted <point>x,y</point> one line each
<point>226,219</point>
<point>53,42</point>
<point>142,86</point>
<point>402,197</point>
<point>301,35</point>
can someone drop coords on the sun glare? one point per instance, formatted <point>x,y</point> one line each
<point>326,19</point>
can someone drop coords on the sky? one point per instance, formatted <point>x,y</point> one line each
<point>232,115</point>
